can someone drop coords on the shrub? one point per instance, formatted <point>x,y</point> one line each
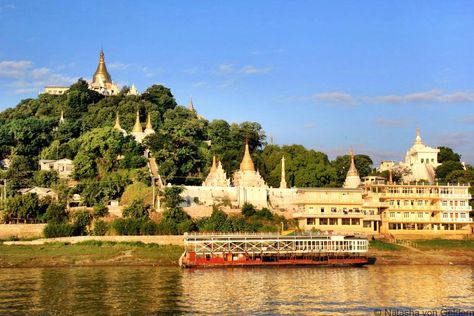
<point>82,220</point>
<point>55,213</point>
<point>137,210</point>
<point>100,210</point>
<point>100,228</point>
<point>248,210</point>
<point>127,226</point>
<point>264,213</point>
<point>186,226</point>
<point>148,228</point>
<point>167,227</point>
<point>53,229</point>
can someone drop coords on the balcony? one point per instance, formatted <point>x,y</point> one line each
<point>402,219</point>
<point>456,220</point>
<point>412,208</point>
<point>319,214</point>
<point>411,195</point>
<point>466,208</point>
<point>456,196</point>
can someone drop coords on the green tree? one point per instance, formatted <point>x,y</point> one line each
<point>172,199</point>
<point>98,152</point>
<point>161,97</point>
<point>100,210</point>
<point>46,178</point>
<point>447,154</point>
<point>55,213</point>
<point>137,210</point>
<point>446,168</point>
<point>176,145</point>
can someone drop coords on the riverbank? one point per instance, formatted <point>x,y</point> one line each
<point>424,252</point>
<point>89,253</point>
<point>108,253</point>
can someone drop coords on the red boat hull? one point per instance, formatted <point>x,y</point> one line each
<point>189,260</point>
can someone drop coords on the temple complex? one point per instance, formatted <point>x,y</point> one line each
<point>371,206</point>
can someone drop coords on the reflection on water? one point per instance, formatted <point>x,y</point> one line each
<point>150,290</point>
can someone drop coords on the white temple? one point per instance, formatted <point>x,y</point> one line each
<point>420,160</point>
<point>352,178</point>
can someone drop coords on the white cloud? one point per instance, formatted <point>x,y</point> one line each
<point>455,139</point>
<point>250,70</point>
<point>119,66</point>
<point>14,69</point>
<point>199,84</point>
<point>334,97</point>
<point>225,69</point>
<point>146,71</point>
<point>389,122</point>
<point>24,78</point>
<point>230,69</point>
<point>423,97</point>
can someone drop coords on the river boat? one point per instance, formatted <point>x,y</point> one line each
<point>240,250</point>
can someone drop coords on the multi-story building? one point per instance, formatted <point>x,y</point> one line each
<point>422,209</point>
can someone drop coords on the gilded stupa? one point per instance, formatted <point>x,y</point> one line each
<point>246,176</point>
<point>101,80</point>
<point>217,176</point>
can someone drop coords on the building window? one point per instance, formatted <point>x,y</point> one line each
<point>444,203</point>
<point>419,202</point>
<point>406,214</point>
<point>366,224</point>
<point>391,202</point>
<point>333,221</point>
<point>355,221</point>
<point>322,209</point>
<point>445,215</point>
<point>420,214</point>
<point>310,221</point>
<point>346,221</point>
<point>323,221</point>
<point>463,215</point>
<point>392,214</point>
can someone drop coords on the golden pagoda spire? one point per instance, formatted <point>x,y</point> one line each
<point>117,121</point>
<point>418,137</point>
<point>101,74</point>
<point>214,164</point>
<point>247,163</point>
<point>352,169</point>
<point>148,122</point>
<point>137,128</point>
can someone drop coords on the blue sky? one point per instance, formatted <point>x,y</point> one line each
<point>326,74</point>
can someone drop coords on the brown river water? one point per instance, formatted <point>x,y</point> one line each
<point>373,290</point>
